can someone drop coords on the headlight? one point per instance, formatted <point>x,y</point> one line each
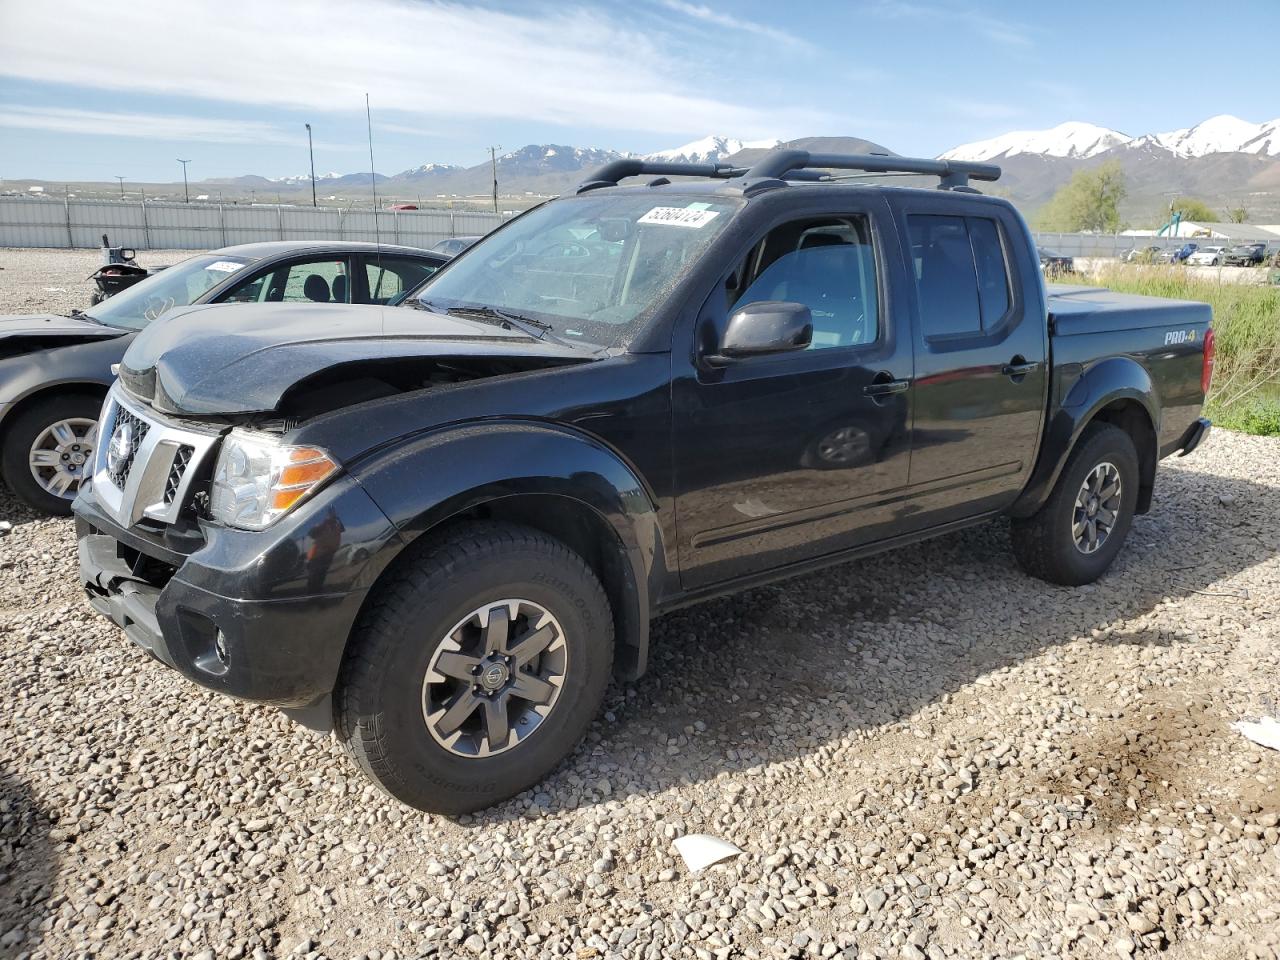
<point>257,480</point>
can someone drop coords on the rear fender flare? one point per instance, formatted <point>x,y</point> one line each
<point>1114,380</point>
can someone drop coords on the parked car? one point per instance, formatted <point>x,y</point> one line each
<point>1245,255</point>
<point>440,530</point>
<point>1207,257</point>
<point>1176,254</point>
<point>454,245</point>
<point>1055,264</point>
<point>55,371</point>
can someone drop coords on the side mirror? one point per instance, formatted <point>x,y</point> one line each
<point>763,328</point>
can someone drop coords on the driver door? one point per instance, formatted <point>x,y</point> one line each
<point>784,458</point>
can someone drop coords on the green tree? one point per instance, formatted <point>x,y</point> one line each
<point>1090,201</point>
<point>1193,209</point>
<point>1238,215</point>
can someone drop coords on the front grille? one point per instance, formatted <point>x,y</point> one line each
<point>118,468</point>
<point>181,461</point>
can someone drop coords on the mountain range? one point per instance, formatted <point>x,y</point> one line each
<point>1224,161</point>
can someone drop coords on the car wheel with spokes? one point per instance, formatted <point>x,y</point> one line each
<point>476,667</point>
<point>48,450</point>
<point>1074,537</point>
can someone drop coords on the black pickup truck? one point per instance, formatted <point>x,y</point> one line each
<point>441,530</point>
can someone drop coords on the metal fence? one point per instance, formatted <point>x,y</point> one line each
<point>1113,244</point>
<point>32,222</point>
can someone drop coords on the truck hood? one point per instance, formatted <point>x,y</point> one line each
<point>243,358</point>
<point>22,333</point>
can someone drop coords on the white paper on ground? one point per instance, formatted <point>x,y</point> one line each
<point>1265,733</point>
<point>701,850</point>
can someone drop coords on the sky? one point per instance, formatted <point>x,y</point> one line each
<point>92,92</point>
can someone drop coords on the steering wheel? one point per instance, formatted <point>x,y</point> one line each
<point>156,306</point>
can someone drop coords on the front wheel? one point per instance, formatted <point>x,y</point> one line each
<point>476,668</point>
<point>48,450</point>
<point>1074,537</point>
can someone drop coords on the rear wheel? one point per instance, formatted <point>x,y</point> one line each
<point>476,669</point>
<point>1076,535</point>
<point>48,450</point>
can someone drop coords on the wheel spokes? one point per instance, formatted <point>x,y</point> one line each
<point>497,728</point>
<point>64,433</point>
<point>532,644</point>
<point>497,630</point>
<point>452,719</point>
<point>531,688</point>
<point>457,665</point>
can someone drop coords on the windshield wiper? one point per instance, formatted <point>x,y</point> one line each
<point>537,329</point>
<point>78,314</point>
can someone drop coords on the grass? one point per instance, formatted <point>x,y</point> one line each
<point>1245,395</point>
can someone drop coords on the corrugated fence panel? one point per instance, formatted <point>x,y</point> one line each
<point>32,222</point>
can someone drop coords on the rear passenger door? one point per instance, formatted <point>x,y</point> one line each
<point>980,356</point>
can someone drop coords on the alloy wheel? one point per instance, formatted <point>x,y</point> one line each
<point>494,678</point>
<point>62,455</point>
<point>1097,508</point>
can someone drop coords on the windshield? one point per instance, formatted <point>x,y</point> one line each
<point>178,286</point>
<point>592,269</point>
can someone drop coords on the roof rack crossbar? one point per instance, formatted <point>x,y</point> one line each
<point>615,170</point>
<point>796,165</point>
<point>953,173</point>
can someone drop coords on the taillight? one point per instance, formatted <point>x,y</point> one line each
<point>1206,362</point>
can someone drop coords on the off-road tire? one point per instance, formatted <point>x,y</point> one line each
<point>1043,543</point>
<point>22,432</point>
<point>378,709</point>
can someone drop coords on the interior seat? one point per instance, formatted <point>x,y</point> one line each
<point>316,289</point>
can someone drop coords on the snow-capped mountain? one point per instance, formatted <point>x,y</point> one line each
<point>429,170</point>
<point>1223,134</point>
<point>304,178</point>
<point>1076,140</point>
<point>710,149</point>
<point>545,157</point>
<point>1070,139</point>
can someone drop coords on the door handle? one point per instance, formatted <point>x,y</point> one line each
<point>885,388</point>
<point>1019,367</point>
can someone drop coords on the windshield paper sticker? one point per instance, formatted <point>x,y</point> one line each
<point>680,217</point>
<point>225,266</point>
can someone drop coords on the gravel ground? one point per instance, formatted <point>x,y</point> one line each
<point>923,755</point>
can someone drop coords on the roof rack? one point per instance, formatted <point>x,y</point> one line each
<point>779,165</point>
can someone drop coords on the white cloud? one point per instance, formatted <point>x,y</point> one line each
<point>706,14</point>
<point>151,126</point>
<point>428,59</point>
<point>998,30</point>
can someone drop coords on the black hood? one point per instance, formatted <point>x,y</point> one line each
<point>243,358</point>
<point>20,333</point>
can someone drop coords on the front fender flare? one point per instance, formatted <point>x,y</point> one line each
<point>1104,383</point>
<point>445,473</point>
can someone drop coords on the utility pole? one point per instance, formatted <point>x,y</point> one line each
<point>186,197</point>
<point>493,162</point>
<point>311,152</point>
<point>121,179</point>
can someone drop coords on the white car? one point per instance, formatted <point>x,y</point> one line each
<point>1207,257</point>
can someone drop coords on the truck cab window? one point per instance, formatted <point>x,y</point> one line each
<point>829,266</point>
<point>962,278</point>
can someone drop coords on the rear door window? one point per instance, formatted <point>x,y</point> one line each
<point>390,276</point>
<point>961,274</point>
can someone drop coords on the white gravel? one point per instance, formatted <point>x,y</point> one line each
<point>923,755</point>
